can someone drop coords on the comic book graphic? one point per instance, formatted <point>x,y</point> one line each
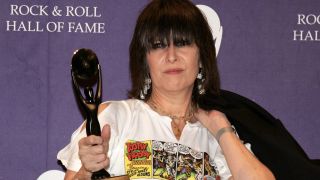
<point>190,164</point>
<point>138,159</point>
<point>164,159</point>
<point>210,168</point>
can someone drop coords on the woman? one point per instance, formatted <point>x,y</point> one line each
<point>169,128</point>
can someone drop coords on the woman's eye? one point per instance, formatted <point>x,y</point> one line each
<point>158,44</point>
<point>181,43</point>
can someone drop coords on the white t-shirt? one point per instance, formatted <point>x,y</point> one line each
<point>134,120</point>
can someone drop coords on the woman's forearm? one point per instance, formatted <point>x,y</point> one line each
<point>242,163</point>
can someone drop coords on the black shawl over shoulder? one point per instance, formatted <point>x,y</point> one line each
<point>269,139</point>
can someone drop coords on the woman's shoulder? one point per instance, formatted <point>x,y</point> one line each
<point>119,104</point>
<point>118,112</point>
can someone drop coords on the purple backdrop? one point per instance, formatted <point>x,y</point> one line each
<point>269,53</point>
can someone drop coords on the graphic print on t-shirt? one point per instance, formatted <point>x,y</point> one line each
<point>210,169</point>
<point>165,160</point>
<point>190,163</point>
<point>138,159</point>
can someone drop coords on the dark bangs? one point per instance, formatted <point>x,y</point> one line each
<point>171,21</point>
<point>180,21</point>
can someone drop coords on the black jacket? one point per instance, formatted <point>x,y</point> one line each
<point>269,139</point>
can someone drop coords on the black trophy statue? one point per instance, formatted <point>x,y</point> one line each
<point>86,72</point>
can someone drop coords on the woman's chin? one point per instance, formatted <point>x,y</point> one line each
<point>178,89</point>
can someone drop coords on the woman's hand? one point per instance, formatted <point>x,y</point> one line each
<point>93,151</point>
<point>213,120</point>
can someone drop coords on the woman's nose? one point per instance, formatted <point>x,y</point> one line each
<point>171,54</point>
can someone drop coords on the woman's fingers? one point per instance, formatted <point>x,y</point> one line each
<point>106,132</point>
<point>212,120</point>
<point>90,140</point>
<point>93,150</point>
<point>93,156</point>
<point>95,162</point>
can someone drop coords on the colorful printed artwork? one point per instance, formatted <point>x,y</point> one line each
<point>165,160</point>
<point>138,159</point>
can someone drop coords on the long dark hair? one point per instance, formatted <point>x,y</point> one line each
<point>179,19</point>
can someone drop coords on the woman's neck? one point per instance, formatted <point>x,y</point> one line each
<point>172,103</point>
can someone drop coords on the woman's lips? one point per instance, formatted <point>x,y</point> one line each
<point>173,71</point>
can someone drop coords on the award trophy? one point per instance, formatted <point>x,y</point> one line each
<point>85,73</point>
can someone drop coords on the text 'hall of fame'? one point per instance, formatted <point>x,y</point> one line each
<point>54,26</point>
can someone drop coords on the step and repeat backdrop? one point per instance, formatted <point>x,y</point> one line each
<point>270,53</point>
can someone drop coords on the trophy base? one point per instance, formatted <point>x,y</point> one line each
<point>101,174</point>
<point>124,177</point>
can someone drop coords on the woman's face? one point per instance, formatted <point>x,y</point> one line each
<point>173,67</point>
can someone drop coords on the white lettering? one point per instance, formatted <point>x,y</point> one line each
<point>95,14</point>
<point>78,28</point>
<point>55,26</point>
<point>297,35</point>
<point>81,11</point>
<point>42,10</point>
<point>71,26</point>
<point>60,26</point>
<point>101,28</point>
<point>14,10</point>
<point>22,27</point>
<point>23,10</point>
<point>316,36</point>
<point>39,10</point>
<point>310,19</point>
<point>11,26</point>
<point>306,35</point>
<point>301,19</point>
<point>86,27</point>
<point>51,27</point>
<point>69,11</point>
<point>28,26</point>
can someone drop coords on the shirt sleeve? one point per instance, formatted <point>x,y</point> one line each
<point>114,115</point>
<point>222,166</point>
<point>69,154</point>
